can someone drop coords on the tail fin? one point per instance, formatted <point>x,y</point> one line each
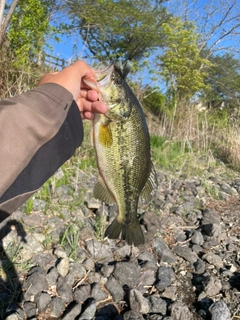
<point>132,232</point>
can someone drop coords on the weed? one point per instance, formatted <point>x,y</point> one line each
<point>69,240</point>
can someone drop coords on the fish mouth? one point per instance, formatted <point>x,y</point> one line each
<point>103,77</point>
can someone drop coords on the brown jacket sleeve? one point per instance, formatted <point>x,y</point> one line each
<point>39,131</point>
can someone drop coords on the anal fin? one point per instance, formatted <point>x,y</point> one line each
<point>150,186</point>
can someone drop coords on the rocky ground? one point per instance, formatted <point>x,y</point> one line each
<point>56,263</point>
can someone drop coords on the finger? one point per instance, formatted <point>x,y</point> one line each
<point>87,115</point>
<point>99,107</point>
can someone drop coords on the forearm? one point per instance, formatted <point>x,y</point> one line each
<point>39,131</point>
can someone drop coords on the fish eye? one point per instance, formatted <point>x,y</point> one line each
<point>118,81</point>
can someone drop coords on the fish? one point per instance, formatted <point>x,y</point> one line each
<point>122,144</point>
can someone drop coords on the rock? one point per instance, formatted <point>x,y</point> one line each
<point>165,276</point>
<point>220,311</point>
<point>52,276</point>
<point>162,251</point>
<point>186,253</point>
<point>64,290</point>
<point>147,278</point>
<point>82,293</point>
<point>63,267</point>
<point>147,261</point>
<point>72,311</point>
<point>130,315</point>
<point>42,300</point>
<point>199,266</point>
<point>29,309</point>
<point>169,293</point>
<point>115,289</point>
<point>77,270</point>
<point>89,311</point>
<point>98,251</point>
<point>127,273</point>
<point>213,259</point>
<point>197,237</point>
<point>137,302</point>
<point>43,259</point>
<point>88,264</point>
<point>98,293</point>
<point>179,311</point>
<point>60,252</point>
<point>157,305</point>
<point>35,283</point>
<point>212,286</point>
<point>56,307</point>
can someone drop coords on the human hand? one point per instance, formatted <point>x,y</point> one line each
<point>71,78</point>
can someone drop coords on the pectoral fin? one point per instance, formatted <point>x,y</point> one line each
<point>150,186</point>
<point>101,193</point>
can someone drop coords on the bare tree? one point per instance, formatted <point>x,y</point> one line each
<point>218,23</point>
<point>5,20</point>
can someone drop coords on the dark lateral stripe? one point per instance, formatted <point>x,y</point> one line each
<point>49,157</point>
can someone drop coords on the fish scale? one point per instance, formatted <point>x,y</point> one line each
<point>122,145</point>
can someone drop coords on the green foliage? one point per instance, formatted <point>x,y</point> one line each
<point>223,80</point>
<point>168,154</point>
<point>119,29</point>
<point>28,26</point>
<point>182,66</point>
<point>154,101</point>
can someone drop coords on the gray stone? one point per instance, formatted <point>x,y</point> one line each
<point>60,252</point>
<point>165,276</point>
<point>98,293</point>
<point>64,290</point>
<point>82,293</point>
<point>30,309</point>
<point>220,311</point>
<point>179,311</point>
<point>137,302</point>
<point>162,251</point>
<point>212,286</point>
<point>170,293</point>
<point>127,273</point>
<point>52,276</point>
<point>35,283</point>
<point>90,311</point>
<point>213,259</point>
<point>98,251</point>
<point>77,270</point>
<point>42,300</point>
<point>63,267</point>
<point>186,253</point>
<point>56,307</point>
<point>115,289</point>
<point>88,264</point>
<point>147,261</point>
<point>132,315</point>
<point>157,305</point>
<point>72,311</point>
<point>107,270</point>
<point>197,237</point>
<point>147,278</point>
<point>43,259</point>
<point>199,266</point>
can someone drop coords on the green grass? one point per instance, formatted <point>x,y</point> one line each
<point>70,240</point>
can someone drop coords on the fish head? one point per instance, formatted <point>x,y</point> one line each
<point>114,91</point>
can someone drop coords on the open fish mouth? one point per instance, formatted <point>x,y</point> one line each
<point>103,77</point>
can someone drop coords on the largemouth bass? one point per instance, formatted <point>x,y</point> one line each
<point>122,144</point>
